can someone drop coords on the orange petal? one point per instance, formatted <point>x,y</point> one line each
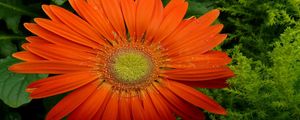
<point>36,39</point>
<point>200,75</point>
<point>71,101</point>
<point>24,46</point>
<point>129,13</point>
<point>27,56</point>
<point>76,24</point>
<point>172,5</point>
<point>192,42</point>
<point>100,111</point>
<point>216,83</point>
<point>200,33</point>
<point>137,108</point>
<point>54,52</point>
<point>76,8</point>
<point>50,13</point>
<point>124,107</point>
<point>208,60</point>
<point>185,29</point>
<point>89,108</point>
<point>160,105</point>
<point>215,58</point>
<point>144,12</point>
<point>192,26</point>
<point>112,9</point>
<point>54,38</point>
<point>180,107</point>
<point>66,32</point>
<point>155,21</point>
<point>60,84</point>
<point>150,110</point>
<point>171,21</point>
<point>94,17</point>
<point>213,43</point>
<point>100,16</point>
<point>204,45</point>
<point>198,70</point>
<point>190,48</point>
<point>208,18</point>
<point>49,67</point>
<point>111,110</point>
<point>195,97</point>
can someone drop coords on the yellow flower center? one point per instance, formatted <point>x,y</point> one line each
<point>130,66</point>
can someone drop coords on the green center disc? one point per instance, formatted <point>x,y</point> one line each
<point>131,66</point>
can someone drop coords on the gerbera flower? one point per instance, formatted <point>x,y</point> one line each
<point>125,59</point>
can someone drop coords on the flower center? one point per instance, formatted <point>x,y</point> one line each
<point>130,66</point>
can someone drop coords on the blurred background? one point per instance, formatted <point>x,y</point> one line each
<point>263,41</point>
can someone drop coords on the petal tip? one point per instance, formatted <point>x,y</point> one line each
<point>13,68</point>
<point>44,6</point>
<point>38,19</point>
<point>224,36</point>
<point>29,89</point>
<point>216,12</point>
<point>15,55</point>
<point>25,45</point>
<point>27,25</point>
<point>223,112</point>
<point>219,26</point>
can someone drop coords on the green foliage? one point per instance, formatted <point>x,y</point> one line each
<point>265,92</point>
<point>11,11</point>
<point>7,114</point>
<point>12,85</point>
<point>197,8</point>
<point>7,48</point>
<point>256,23</point>
<point>59,2</point>
<point>264,42</point>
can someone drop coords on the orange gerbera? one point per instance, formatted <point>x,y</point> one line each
<point>125,59</point>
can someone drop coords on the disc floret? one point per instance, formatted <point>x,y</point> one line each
<point>130,66</point>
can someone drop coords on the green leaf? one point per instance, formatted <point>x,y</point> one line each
<point>59,2</point>
<point>197,8</point>
<point>13,23</point>
<point>12,85</point>
<point>14,6</point>
<point>12,116</point>
<point>7,48</point>
<point>11,11</point>
<point>7,45</point>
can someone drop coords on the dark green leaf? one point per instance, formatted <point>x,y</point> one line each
<point>14,6</point>
<point>12,116</point>
<point>12,85</point>
<point>13,23</point>
<point>7,45</point>
<point>198,8</point>
<point>59,2</point>
<point>7,48</point>
<point>11,11</point>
